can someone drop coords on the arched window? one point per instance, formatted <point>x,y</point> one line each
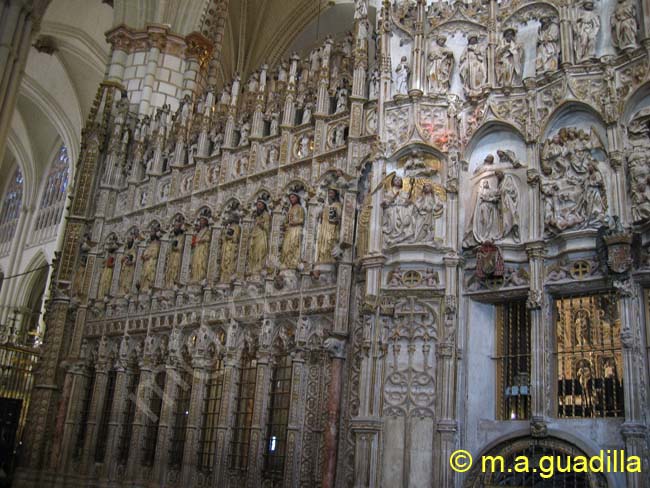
<point>10,211</point>
<point>53,195</point>
<point>128,414</point>
<point>180,415</point>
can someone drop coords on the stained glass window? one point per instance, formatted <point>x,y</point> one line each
<point>54,191</point>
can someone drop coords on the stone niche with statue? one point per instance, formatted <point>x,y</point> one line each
<point>351,205</point>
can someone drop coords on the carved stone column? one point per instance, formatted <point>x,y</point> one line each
<point>19,22</point>
<point>201,367</point>
<point>260,416</point>
<point>139,419</point>
<point>231,375</point>
<point>95,413</point>
<point>115,426</point>
<point>173,381</point>
<point>296,424</point>
<point>634,430</point>
<point>76,383</point>
<point>418,54</point>
<point>336,349</point>
<point>367,425</point>
<point>538,330</point>
<point>157,41</point>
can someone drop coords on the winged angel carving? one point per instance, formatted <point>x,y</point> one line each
<point>411,206</point>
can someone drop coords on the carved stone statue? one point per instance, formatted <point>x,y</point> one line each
<point>216,141</point>
<point>473,69</point>
<point>200,250</point>
<point>106,278</point>
<point>585,32</point>
<point>496,211</point>
<point>373,88</point>
<point>175,254</point>
<point>244,133</point>
<point>426,210</point>
<point>150,260</point>
<point>548,48</point>
<point>330,224</point>
<point>229,252</point>
<point>342,100</point>
<point>401,77</point>
<point>259,241</point>
<point>510,60</point>
<point>306,113</point>
<point>441,64</point>
<point>625,25</point>
<point>398,225</point>
<point>128,266</point>
<point>292,243</point>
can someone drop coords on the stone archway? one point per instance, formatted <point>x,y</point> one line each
<point>505,456</point>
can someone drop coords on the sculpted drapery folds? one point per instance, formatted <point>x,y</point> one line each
<point>259,241</point>
<point>639,166</point>
<point>410,210</point>
<point>441,63</point>
<point>292,243</point>
<point>150,260</point>
<point>548,48</point>
<point>200,250</point>
<point>128,265</point>
<point>625,25</point>
<point>229,252</point>
<point>510,60</point>
<point>473,69</point>
<point>398,225</point>
<point>497,208</point>
<point>401,78</point>
<point>585,32</point>
<point>330,225</point>
<point>175,254</point>
<point>573,188</point>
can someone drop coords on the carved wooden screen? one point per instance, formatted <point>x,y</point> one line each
<point>241,436</point>
<point>153,419</point>
<point>83,415</point>
<point>278,418</point>
<point>211,413</point>
<point>513,361</point>
<point>589,362</point>
<point>127,416</point>
<point>181,412</point>
<point>102,434</point>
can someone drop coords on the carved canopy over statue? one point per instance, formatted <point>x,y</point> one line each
<point>573,187</point>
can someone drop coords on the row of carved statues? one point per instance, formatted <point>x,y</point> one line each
<point>256,251</point>
<point>509,53</point>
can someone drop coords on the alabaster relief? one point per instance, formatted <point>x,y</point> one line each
<point>638,158</point>
<point>574,191</point>
<point>412,201</point>
<point>496,207</point>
